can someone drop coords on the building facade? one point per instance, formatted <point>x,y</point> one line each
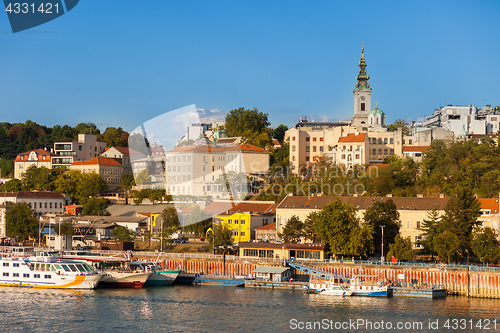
<point>42,202</point>
<point>39,158</point>
<point>109,169</point>
<point>85,148</point>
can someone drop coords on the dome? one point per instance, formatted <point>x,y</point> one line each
<point>376,111</point>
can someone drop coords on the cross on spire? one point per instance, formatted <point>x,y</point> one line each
<point>376,105</point>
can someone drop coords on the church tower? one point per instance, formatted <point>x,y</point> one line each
<point>362,94</point>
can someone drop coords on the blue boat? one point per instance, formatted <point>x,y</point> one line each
<point>160,276</point>
<point>363,285</point>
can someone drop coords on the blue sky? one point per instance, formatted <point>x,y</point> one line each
<point>123,62</point>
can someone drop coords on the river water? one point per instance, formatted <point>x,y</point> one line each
<point>229,309</point>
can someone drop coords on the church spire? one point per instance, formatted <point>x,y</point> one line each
<point>362,76</point>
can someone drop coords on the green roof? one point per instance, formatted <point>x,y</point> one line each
<point>376,110</point>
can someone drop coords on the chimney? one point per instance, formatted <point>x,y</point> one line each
<point>420,195</point>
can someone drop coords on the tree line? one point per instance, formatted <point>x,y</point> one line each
<point>454,236</point>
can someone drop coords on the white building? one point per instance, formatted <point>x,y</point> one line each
<point>42,202</point>
<point>85,148</point>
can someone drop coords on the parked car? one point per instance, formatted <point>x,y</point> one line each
<point>179,240</point>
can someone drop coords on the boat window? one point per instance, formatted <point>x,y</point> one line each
<point>87,267</point>
<point>57,266</point>
<point>65,267</point>
<point>73,268</point>
<point>47,276</point>
<point>81,268</point>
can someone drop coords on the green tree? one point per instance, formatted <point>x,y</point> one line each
<point>383,213</point>
<point>400,123</point>
<point>293,230</point>
<point>20,221</point>
<point>12,185</point>
<point>249,124</point>
<point>279,132</point>
<point>221,236</point>
<point>461,213</point>
<point>143,177</point>
<point>6,167</point>
<point>123,234</point>
<point>170,221</point>
<point>128,181</point>
<point>90,184</point>
<point>429,230</point>
<point>39,179</point>
<point>115,137</point>
<point>64,228</point>
<point>401,249</point>
<point>446,244</point>
<point>485,245</point>
<point>337,226</point>
<point>87,128</point>
<point>95,206</point>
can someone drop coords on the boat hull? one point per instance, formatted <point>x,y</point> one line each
<point>123,280</point>
<point>162,278</point>
<point>58,282</point>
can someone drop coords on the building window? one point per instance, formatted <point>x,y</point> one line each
<point>343,156</point>
<point>5,264</point>
<point>363,107</point>
<point>385,151</point>
<point>392,151</point>
<point>242,234</point>
<point>321,149</point>
<point>15,274</point>
<point>374,151</point>
<point>235,221</point>
<point>418,225</point>
<point>357,156</point>
<point>308,139</point>
<point>380,151</point>
<point>320,139</point>
<point>229,221</point>
<point>36,276</point>
<point>307,158</point>
<point>26,275</point>
<point>379,141</point>
<point>47,276</point>
<point>409,224</point>
<point>410,142</point>
<point>293,138</point>
<point>314,149</point>
<point>293,148</point>
<point>314,139</point>
<point>391,141</point>
<point>45,205</point>
<point>385,141</point>
<point>5,274</point>
<point>307,149</point>
<point>15,264</point>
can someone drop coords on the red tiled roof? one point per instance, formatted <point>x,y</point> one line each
<point>270,226</point>
<point>33,194</point>
<point>39,152</point>
<point>98,160</point>
<point>351,137</point>
<point>491,204</point>
<point>402,203</point>
<point>217,207</point>
<point>254,207</point>
<point>415,148</point>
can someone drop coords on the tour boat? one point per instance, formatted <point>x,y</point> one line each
<point>42,269</point>
<point>363,285</point>
<point>116,271</point>
<point>159,276</point>
<point>334,287</point>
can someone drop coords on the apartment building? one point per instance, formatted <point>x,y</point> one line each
<point>39,158</point>
<point>83,149</point>
<point>109,169</point>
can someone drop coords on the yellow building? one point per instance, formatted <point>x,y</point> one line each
<point>245,217</point>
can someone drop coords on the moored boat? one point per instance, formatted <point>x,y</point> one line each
<point>42,269</point>
<point>159,277</point>
<point>335,286</point>
<point>368,285</point>
<point>116,271</point>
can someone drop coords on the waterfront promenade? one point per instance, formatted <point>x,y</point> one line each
<point>472,281</point>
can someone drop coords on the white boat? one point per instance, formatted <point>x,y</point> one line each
<point>159,276</point>
<point>334,287</point>
<point>42,269</point>
<point>369,285</point>
<point>116,271</point>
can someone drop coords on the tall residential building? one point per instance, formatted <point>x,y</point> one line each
<point>85,148</point>
<point>39,158</point>
<point>197,169</point>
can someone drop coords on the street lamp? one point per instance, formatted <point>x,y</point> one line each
<point>382,258</point>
